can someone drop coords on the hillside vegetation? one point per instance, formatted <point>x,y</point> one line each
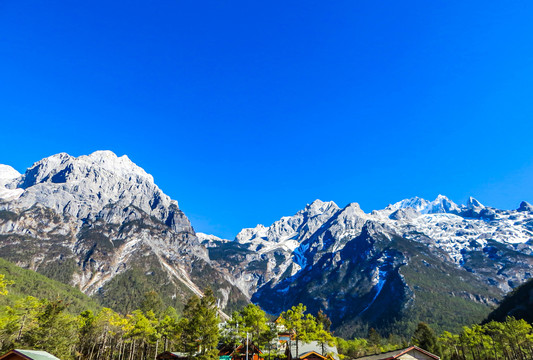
<point>28,282</point>
<point>518,303</point>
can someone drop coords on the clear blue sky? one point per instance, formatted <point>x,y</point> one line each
<point>245,111</point>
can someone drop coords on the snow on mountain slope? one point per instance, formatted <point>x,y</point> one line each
<point>458,230</point>
<point>288,232</point>
<point>440,205</point>
<point>340,252</point>
<point>378,268</point>
<point>8,179</point>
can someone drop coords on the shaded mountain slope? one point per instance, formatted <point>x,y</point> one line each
<point>518,303</point>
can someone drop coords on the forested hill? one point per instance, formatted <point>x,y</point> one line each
<point>518,303</point>
<point>30,283</point>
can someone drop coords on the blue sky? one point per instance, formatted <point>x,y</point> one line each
<point>246,111</point>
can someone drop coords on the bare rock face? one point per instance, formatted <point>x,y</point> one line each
<point>378,269</point>
<point>84,186</point>
<point>525,206</point>
<point>93,220</point>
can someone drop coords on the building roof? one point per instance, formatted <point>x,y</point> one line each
<point>33,354</point>
<point>306,348</point>
<point>173,354</point>
<point>251,349</point>
<point>395,354</point>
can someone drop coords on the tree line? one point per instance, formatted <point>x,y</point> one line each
<point>29,322</point>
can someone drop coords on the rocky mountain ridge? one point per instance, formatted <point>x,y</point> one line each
<point>350,264</point>
<point>93,221</point>
<point>99,222</point>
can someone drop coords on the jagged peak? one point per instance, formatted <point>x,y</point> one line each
<point>473,203</point>
<point>525,206</point>
<point>314,215</point>
<point>102,161</point>
<point>318,207</point>
<point>416,203</point>
<point>355,206</point>
<point>441,204</point>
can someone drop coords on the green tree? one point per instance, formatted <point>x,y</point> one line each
<point>253,320</point>
<point>374,338</point>
<point>141,329</point>
<point>324,338</point>
<point>54,330</point>
<point>4,284</point>
<point>303,327</point>
<point>169,328</point>
<point>268,336</point>
<point>200,327</point>
<point>323,319</point>
<point>425,338</point>
<point>152,302</point>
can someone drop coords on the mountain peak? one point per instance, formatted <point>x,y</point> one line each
<point>83,186</point>
<point>318,207</point>
<point>416,203</point>
<point>473,203</point>
<point>7,173</point>
<point>8,179</point>
<point>440,205</point>
<point>525,206</point>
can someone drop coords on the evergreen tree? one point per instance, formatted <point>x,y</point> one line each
<point>324,338</point>
<point>374,338</point>
<point>303,327</point>
<point>200,327</point>
<point>152,302</point>
<point>323,319</point>
<point>53,331</point>
<point>425,338</point>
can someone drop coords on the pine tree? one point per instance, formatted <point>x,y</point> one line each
<point>425,338</point>
<point>200,327</point>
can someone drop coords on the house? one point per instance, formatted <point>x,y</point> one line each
<point>410,353</point>
<point>311,351</point>
<point>19,354</point>
<point>167,355</point>
<point>228,352</point>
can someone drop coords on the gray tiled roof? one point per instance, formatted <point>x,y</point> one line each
<point>37,354</point>
<point>304,348</point>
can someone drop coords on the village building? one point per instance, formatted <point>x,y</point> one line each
<point>311,351</point>
<point>410,353</point>
<point>167,355</point>
<point>229,352</point>
<point>19,354</point>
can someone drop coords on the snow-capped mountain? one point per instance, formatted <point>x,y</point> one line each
<point>8,179</point>
<point>82,186</point>
<point>370,268</point>
<point>99,222</point>
<point>95,221</point>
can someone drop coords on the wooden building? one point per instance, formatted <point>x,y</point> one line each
<point>19,354</point>
<point>410,353</point>
<point>311,351</point>
<point>239,352</point>
<point>167,355</point>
